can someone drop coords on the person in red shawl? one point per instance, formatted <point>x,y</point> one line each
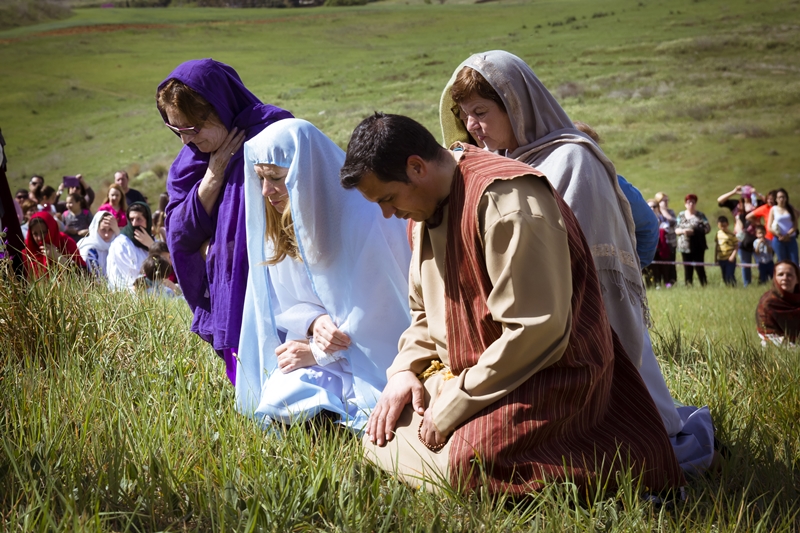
<point>778,311</point>
<point>509,361</point>
<point>46,246</point>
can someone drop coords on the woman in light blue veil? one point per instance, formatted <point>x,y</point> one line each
<point>330,266</point>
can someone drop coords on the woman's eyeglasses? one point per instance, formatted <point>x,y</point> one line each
<point>193,130</point>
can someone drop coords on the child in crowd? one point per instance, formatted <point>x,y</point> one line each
<point>116,205</point>
<point>727,246</point>
<point>762,254</point>
<point>29,208</point>
<point>47,201</point>
<point>76,218</point>
<point>160,248</point>
<point>154,279</point>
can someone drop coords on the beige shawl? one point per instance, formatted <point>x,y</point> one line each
<point>578,170</point>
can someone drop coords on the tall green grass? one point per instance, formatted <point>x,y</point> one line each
<point>113,417</point>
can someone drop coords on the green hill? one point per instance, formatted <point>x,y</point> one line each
<point>690,96</point>
<point>15,13</point>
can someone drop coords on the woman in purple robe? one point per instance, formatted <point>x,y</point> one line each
<point>206,104</point>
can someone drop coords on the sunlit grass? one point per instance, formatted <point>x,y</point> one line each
<point>114,417</point>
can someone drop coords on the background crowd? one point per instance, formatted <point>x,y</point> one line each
<point>761,231</point>
<point>121,242</point>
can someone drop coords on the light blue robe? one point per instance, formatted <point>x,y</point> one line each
<point>357,267</point>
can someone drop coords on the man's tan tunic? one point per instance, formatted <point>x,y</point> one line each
<point>543,301</point>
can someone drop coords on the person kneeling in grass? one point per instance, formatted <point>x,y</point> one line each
<point>154,279</point>
<point>326,297</point>
<point>46,246</point>
<point>778,311</point>
<point>94,247</point>
<point>495,99</point>
<point>509,361</point>
<point>725,252</point>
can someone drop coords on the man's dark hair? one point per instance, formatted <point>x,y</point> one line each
<point>382,144</point>
<point>140,208</point>
<point>722,219</point>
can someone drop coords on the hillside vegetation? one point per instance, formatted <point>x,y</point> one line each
<point>15,13</point>
<point>690,96</point>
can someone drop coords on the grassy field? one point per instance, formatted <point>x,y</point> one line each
<point>691,96</point>
<point>113,417</point>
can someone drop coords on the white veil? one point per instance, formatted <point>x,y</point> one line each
<point>93,241</point>
<point>357,262</point>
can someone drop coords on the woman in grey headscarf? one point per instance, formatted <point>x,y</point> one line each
<point>496,101</point>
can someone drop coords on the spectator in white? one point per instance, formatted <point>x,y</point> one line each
<point>128,251</point>
<point>131,195</point>
<point>94,247</point>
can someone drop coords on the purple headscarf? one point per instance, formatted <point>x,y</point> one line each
<point>214,287</point>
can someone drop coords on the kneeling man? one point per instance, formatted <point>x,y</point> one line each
<point>509,369</point>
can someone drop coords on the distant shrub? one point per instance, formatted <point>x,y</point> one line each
<point>345,3</point>
<point>699,112</point>
<point>248,3</point>
<point>703,44</point>
<point>160,170</point>
<point>633,150</point>
<point>569,90</point>
<point>748,131</point>
<point>15,13</point>
<point>666,137</point>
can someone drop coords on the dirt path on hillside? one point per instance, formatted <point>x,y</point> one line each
<point>108,28</point>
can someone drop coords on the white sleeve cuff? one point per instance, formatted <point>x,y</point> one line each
<point>320,356</point>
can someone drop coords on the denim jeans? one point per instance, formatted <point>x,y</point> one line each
<point>765,272</point>
<point>785,250</point>
<point>728,272</point>
<point>746,257</point>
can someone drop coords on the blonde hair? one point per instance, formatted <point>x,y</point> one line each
<point>280,231</point>
<point>659,196</point>
<point>123,203</point>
